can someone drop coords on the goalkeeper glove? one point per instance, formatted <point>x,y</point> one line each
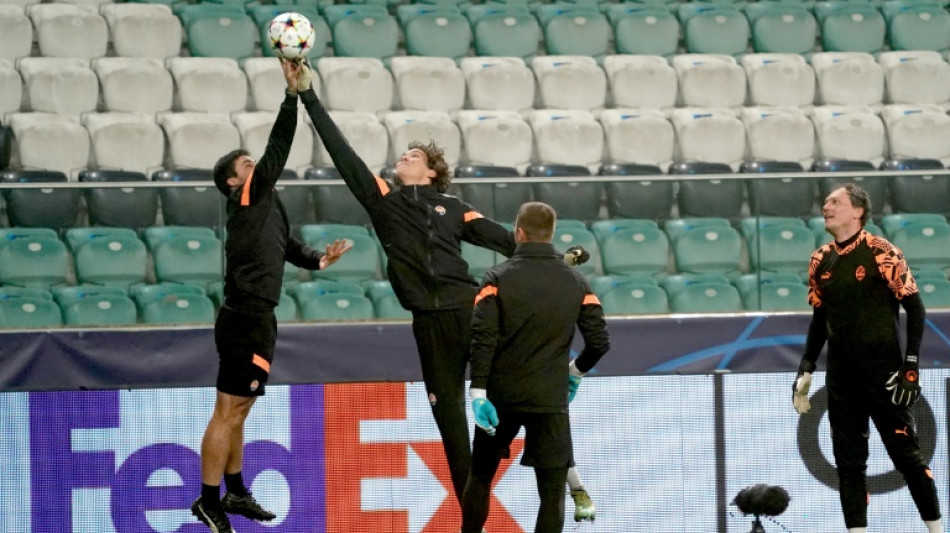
<point>573,381</point>
<point>800,392</point>
<point>304,77</point>
<point>905,383</point>
<point>576,255</point>
<point>486,417</point>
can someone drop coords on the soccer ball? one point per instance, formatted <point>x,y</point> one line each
<point>291,35</point>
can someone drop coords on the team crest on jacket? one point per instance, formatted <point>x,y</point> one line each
<point>859,273</point>
<point>440,210</point>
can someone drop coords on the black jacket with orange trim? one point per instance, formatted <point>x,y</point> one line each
<point>420,228</point>
<point>258,232</point>
<point>523,326</point>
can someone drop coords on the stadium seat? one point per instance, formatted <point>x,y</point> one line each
<point>604,228</point>
<point>499,138</point>
<point>778,296</point>
<point>428,83</point>
<point>498,83</point>
<point>127,207</point>
<point>710,80</point>
<point>782,27</point>
<point>267,85</point>
<point>935,294</point>
<point>917,132</point>
<point>602,284</point>
<point>781,197</point>
<point>365,31</point>
<point>100,310</point>
<point>783,249</point>
<point>113,261</point>
<point>709,136</point>
<point>925,246</point>
<point>750,226</point>
<point>189,259</point>
<point>850,26</point>
<point>125,141</point>
<point>255,128</point>
<point>78,237</point>
<point>913,25</point>
<point>364,132</point>
<point>314,233</point>
<point>570,82</point>
<point>642,137</point>
<point>652,199</point>
<point>190,206</point>
<point>784,80</point>
<point>334,203</point>
<point>635,300</point>
<point>575,200</point>
<point>708,197</point>
<point>356,84</point>
<point>16,33</point>
<point>435,30</point>
<point>567,137</point>
<point>218,31</point>
<point>329,307</point>
<point>708,250</point>
<point>360,263</point>
<point>197,140</point>
<point>387,307</point>
<point>479,259</point>
<point>498,201</point>
<point>675,283</point>
<point>503,30</point>
<point>405,127</point>
<point>749,283</point>
<point>143,295</point>
<point>135,84</point>
<point>286,310</point>
<point>564,238</point>
<point>677,227</point>
<point>67,30</point>
<point>179,309</point>
<point>143,30</point>
<point>296,200</point>
<point>574,29</point>
<point>209,84</point>
<point>713,28</point>
<point>64,85</point>
<point>26,313</point>
<point>11,234</point>
<point>40,208</point>
<point>848,78</point>
<point>849,133</point>
<point>643,29</point>
<point>37,262</point>
<point>779,134</point>
<point>264,14</point>
<point>707,298</point>
<point>311,289</point>
<point>67,294</point>
<point>921,77</point>
<point>641,82</point>
<point>642,252</point>
<point>918,194</point>
<point>895,223</point>
<point>11,86</point>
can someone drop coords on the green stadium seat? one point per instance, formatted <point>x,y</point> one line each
<point>677,227</point>
<point>363,31</point>
<point>677,282</point>
<point>635,300</point>
<point>850,26</point>
<point>894,223</point>
<point>144,295</point>
<point>325,307</point>
<point>286,310</point>
<point>360,263</point>
<point>435,30</point>
<point>385,303</point>
<point>574,29</point>
<point>644,29</point>
<point>642,252</point>
<point>320,232</point>
<point>602,228</point>
<point>713,28</point>
<point>189,259</point>
<point>29,312</point>
<point>156,234</point>
<point>707,298</point>
<point>218,30</point>
<point>916,25</point>
<point>76,237</point>
<point>12,234</point>
<point>180,308</point>
<point>117,261</point>
<point>783,249</point>
<point>750,225</point>
<point>778,296</point>
<point>264,14</point>
<point>935,293</point>
<point>311,289</point>
<point>10,292</point>
<point>38,262</point>
<point>602,284</point>
<point>782,27</point>
<point>504,30</point>
<point>749,283</point>
<point>564,238</point>
<point>709,250</point>
<point>100,310</point>
<point>479,259</point>
<point>925,246</point>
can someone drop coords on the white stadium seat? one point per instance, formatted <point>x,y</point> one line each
<point>428,83</point>
<point>365,133</point>
<point>782,80</point>
<point>848,78</point>
<point>356,84</point>
<point>640,136</point>
<point>11,88</point>
<point>642,82</point>
<point>423,126</point>
<point>568,137</point>
<point>16,32</point>
<point>134,84</point>
<point>197,140</point>
<point>125,141</point>
<point>918,132</point>
<point>498,83</point>
<point>50,141</point>
<point>916,77</point>
<point>255,128</point>
<point>779,134</point>
<point>570,82</point>
<point>268,86</point>
<point>66,30</point>
<point>709,135</point>
<point>851,133</point>
<point>143,30</point>
<point>209,84</point>
<point>710,80</point>
<point>501,138</point>
<point>60,84</point>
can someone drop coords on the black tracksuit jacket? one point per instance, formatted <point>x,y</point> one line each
<point>420,228</point>
<point>258,233</point>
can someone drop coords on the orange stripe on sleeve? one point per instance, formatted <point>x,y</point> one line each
<point>487,290</point>
<point>261,362</point>
<point>383,186</point>
<point>590,299</point>
<point>472,215</point>
<point>246,192</point>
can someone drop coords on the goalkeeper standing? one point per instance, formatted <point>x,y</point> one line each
<point>524,320</point>
<point>856,284</point>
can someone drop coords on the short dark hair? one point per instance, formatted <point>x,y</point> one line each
<point>536,220</point>
<point>435,159</point>
<point>224,169</point>
<point>860,199</point>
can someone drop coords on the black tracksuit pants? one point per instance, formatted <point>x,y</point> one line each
<point>443,339</point>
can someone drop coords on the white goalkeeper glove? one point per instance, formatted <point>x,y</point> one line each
<point>800,393</point>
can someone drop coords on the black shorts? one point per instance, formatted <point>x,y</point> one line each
<point>547,442</point>
<point>245,342</point>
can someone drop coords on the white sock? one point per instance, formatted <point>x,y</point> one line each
<point>934,526</point>
<point>574,479</point>
<point>858,530</point>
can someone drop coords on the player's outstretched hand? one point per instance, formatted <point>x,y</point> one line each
<point>576,255</point>
<point>334,252</point>
<point>904,384</point>
<point>800,392</point>
<point>486,417</point>
<point>291,70</point>
<point>304,76</point>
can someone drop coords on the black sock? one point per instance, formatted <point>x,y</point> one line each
<point>210,495</point>
<point>235,484</point>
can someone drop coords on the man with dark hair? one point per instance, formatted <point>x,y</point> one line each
<point>245,332</point>
<point>421,229</point>
<point>857,283</point>
<point>522,328</point>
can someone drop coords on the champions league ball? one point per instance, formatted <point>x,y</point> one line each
<point>291,35</point>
